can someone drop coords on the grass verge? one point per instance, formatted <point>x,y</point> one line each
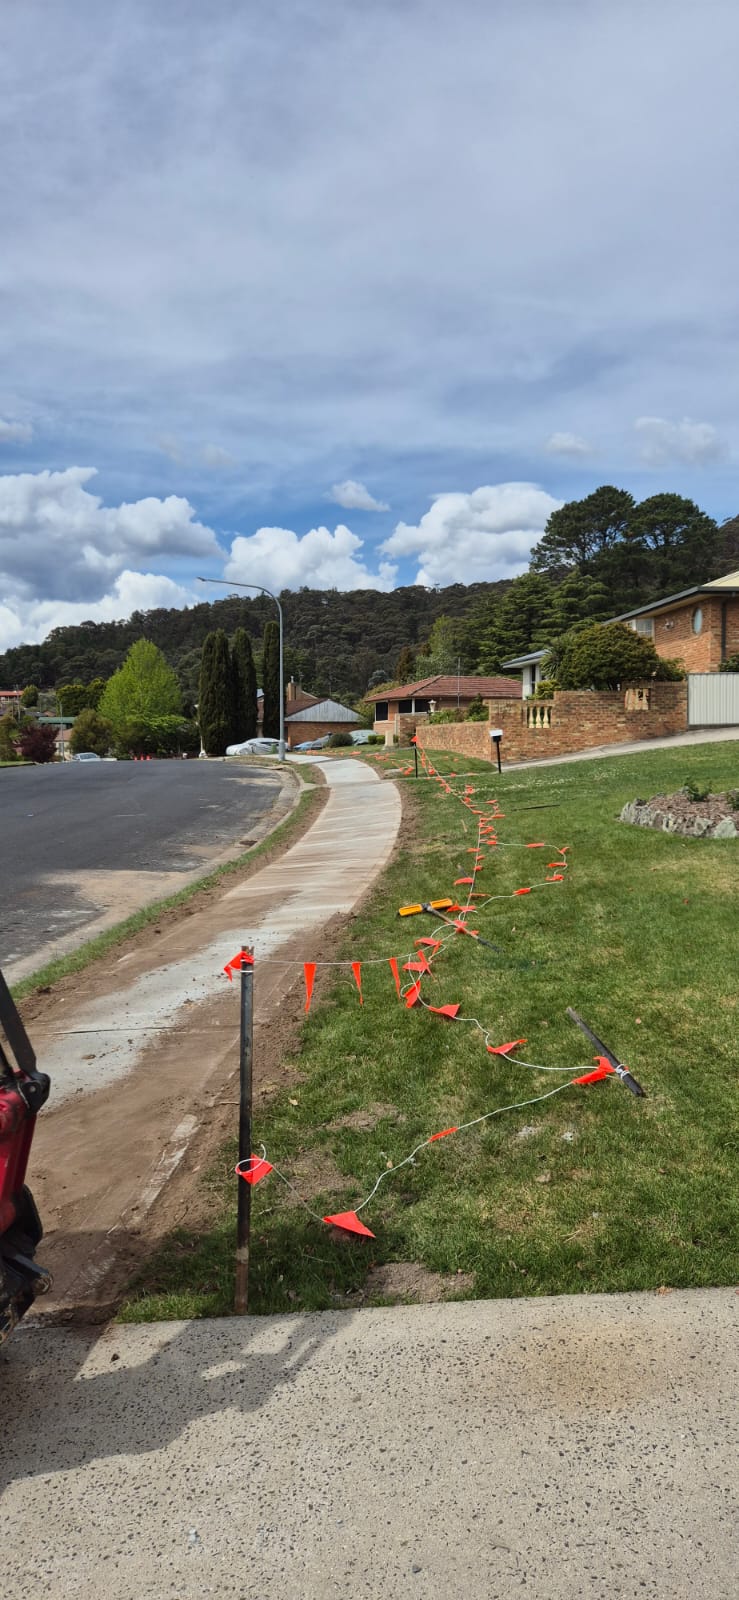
<point>77,960</point>
<point>591,1191</point>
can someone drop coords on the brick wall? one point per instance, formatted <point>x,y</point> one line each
<point>575,719</point>
<point>698,652</point>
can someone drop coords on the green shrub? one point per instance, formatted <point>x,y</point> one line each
<point>446,716</point>
<point>477,711</point>
<point>376,738</point>
<point>731,664</point>
<point>545,689</point>
<point>340,741</point>
<point>610,656</point>
<point>696,791</point>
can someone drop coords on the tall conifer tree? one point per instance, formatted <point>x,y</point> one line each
<point>215,703</point>
<point>271,681</point>
<point>244,685</point>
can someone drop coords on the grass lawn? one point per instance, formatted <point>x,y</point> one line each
<point>592,1190</point>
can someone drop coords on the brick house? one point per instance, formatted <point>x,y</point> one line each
<point>698,627</point>
<point>397,709</point>
<point>316,720</point>
<point>10,700</point>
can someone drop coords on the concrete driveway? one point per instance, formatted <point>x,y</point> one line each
<point>567,1449</point>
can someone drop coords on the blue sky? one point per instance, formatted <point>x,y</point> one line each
<point>262,266</point>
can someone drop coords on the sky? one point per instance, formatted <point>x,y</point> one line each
<point>341,296</point>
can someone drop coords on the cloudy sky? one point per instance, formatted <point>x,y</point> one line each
<point>341,295</point>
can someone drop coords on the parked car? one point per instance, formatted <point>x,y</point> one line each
<point>87,755</point>
<point>253,747</point>
<point>361,735</point>
<point>314,744</point>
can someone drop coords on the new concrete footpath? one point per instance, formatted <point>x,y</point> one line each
<point>566,1448</point>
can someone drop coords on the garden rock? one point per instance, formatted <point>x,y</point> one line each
<point>712,818</point>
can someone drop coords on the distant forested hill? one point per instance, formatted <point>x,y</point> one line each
<point>334,643</point>
<point>597,557</point>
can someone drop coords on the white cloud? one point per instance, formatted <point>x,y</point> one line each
<point>15,432</point>
<point>279,559</point>
<point>27,622</point>
<point>568,444</point>
<point>353,496</point>
<point>695,443</point>
<point>58,541</point>
<point>481,536</point>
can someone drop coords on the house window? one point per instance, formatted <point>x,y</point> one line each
<point>697,619</point>
<point>644,626</point>
<point>381,711</point>
<point>405,707</point>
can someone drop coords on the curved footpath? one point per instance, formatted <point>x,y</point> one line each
<point>138,1054</point>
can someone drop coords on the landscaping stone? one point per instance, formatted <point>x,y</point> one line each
<point>712,818</point>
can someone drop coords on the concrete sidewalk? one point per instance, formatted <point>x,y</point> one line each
<point>140,1052</point>
<point>574,1447</point>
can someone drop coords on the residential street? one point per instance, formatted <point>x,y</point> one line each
<point>83,845</point>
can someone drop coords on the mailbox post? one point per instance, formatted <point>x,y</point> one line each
<point>496,735</point>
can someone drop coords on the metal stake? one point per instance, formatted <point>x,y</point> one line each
<point>243,1192</point>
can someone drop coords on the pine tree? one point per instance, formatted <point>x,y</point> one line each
<point>514,621</point>
<point>405,666</point>
<point>215,703</point>
<point>244,687</point>
<point>271,681</point>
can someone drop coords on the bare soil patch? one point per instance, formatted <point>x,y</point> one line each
<point>407,1283</point>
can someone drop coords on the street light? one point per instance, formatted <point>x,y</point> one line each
<point>260,586</point>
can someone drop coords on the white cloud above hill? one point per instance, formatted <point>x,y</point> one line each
<point>482,536</point>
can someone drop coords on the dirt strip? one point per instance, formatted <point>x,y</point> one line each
<point>142,1053</point>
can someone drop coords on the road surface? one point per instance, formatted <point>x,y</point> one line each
<point>89,842</point>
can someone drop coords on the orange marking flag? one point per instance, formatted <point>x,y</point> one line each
<point>349,1221</point>
<point>357,971</point>
<point>256,1169</point>
<point>393,965</point>
<point>444,1011</point>
<point>603,1070</point>
<point>443,1135</point>
<point>309,973</point>
<point>243,959</point>
<point>504,1049</point>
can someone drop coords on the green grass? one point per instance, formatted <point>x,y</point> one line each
<point>95,948</point>
<point>609,1192</point>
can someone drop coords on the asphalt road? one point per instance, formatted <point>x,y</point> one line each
<point>75,838</point>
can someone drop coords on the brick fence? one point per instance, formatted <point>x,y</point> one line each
<point>573,720</point>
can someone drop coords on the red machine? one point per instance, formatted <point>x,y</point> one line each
<point>23,1091</point>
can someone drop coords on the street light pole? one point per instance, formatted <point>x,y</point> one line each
<point>260,586</point>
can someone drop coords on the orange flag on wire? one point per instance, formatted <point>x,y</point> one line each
<point>253,1169</point>
<point>349,1221</point>
<point>393,965</point>
<point>309,973</point>
<point>357,970</point>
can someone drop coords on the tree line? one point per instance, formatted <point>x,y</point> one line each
<point>598,557</point>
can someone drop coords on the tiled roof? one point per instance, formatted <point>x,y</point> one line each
<point>448,684</point>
